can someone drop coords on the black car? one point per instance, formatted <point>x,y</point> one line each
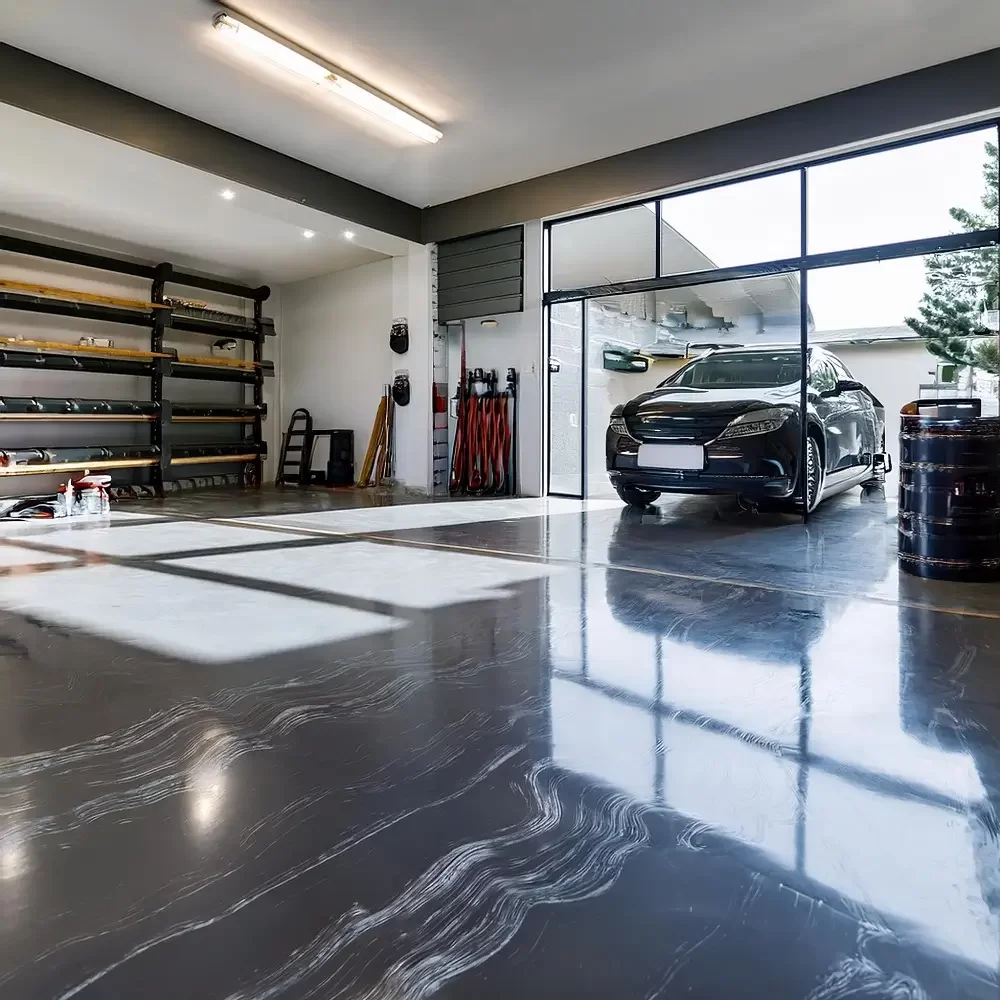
<point>728,422</point>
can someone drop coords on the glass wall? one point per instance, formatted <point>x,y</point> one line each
<point>897,251</point>
<point>613,246</point>
<point>566,400</point>
<point>901,194</point>
<point>669,327</point>
<point>860,313</point>
<point>742,223</point>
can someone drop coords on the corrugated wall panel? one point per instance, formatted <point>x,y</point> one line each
<point>481,275</point>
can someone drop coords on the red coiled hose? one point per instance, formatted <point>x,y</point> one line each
<point>481,457</point>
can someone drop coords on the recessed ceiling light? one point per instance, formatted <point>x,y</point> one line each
<point>228,194</point>
<point>348,235</point>
<point>265,44</point>
<point>308,234</point>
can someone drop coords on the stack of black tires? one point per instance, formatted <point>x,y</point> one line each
<point>949,490</point>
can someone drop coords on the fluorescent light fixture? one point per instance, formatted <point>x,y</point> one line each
<point>228,194</point>
<point>308,234</point>
<point>348,235</point>
<point>265,44</point>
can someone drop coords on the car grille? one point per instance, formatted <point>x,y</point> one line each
<point>671,427</point>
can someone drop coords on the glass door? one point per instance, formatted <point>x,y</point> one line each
<point>567,402</point>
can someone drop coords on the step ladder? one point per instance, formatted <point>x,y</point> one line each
<point>296,451</point>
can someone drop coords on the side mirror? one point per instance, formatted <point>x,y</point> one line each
<point>616,360</point>
<point>844,385</point>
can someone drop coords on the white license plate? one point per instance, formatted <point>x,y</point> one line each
<point>672,456</point>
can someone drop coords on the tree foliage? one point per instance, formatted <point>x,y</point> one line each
<point>961,284</point>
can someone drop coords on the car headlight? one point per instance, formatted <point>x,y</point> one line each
<point>755,422</point>
<point>618,424</point>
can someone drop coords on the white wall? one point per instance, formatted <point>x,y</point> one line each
<point>515,342</point>
<point>272,386</point>
<point>411,292</point>
<point>61,329</point>
<point>336,357</point>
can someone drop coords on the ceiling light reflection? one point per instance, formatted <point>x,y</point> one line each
<point>207,782</point>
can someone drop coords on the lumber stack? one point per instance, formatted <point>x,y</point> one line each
<point>379,458</point>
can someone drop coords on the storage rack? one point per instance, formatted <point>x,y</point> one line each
<point>160,362</point>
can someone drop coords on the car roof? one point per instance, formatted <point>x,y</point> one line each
<point>770,348</point>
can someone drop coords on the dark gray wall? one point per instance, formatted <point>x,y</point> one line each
<point>953,90</point>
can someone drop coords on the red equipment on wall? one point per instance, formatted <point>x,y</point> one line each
<point>482,460</point>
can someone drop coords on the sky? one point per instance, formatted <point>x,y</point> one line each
<point>884,197</point>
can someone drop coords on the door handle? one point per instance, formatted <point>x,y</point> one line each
<point>555,365</point>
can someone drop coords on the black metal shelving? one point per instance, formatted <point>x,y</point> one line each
<point>56,409</point>
<point>162,454</point>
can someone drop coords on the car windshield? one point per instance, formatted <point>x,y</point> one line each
<point>752,370</point>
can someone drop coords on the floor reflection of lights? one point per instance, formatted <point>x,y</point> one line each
<point>198,620</point>
<point>395,575</point>
<point>131,540</point>
<point>431,515</point>
<point>13,859</point>
<point>207,781</point>
<point>919,861</point>
<point>15,854</point>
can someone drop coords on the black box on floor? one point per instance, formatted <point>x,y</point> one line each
<point>340,470</point>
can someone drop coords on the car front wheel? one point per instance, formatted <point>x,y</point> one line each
<point>814,481</point>
<point>635,496</point>
<point>814,474</point>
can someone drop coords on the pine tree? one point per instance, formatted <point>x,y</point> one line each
<point>961,284</point>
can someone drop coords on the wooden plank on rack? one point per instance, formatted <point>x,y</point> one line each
<point>214,459</point>
<point>59,467</point>
<point>72,295</point>
<point>47,345</point>
<point>210,362</point>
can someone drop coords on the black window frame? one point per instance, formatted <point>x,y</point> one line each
<point>801,264</point>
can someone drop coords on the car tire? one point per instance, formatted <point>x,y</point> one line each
<point>814,481</point>
<point>635,496</point>
<point>814,474</point>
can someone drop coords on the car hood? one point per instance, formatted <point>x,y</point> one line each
<point>685,399</point>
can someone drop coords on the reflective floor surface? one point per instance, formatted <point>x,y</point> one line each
<point>289,746</point>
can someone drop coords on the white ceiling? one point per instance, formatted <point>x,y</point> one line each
<point>520,87</point>
<point>59,182</point>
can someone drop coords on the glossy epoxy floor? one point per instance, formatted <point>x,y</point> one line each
<point>493,749</point>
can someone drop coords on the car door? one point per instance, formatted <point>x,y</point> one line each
<point>842,418</point>
<point>871,416</point>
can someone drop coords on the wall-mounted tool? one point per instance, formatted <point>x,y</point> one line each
<point>401,388</point>
<point>399,335</point>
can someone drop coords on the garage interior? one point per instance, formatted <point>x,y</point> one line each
<point>401,699</point>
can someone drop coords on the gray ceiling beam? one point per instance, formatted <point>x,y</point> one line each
<point>958,89</point>
<point>953,90</point>
<point>46,88</point>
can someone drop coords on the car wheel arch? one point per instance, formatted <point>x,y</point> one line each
<point>815,429</point>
